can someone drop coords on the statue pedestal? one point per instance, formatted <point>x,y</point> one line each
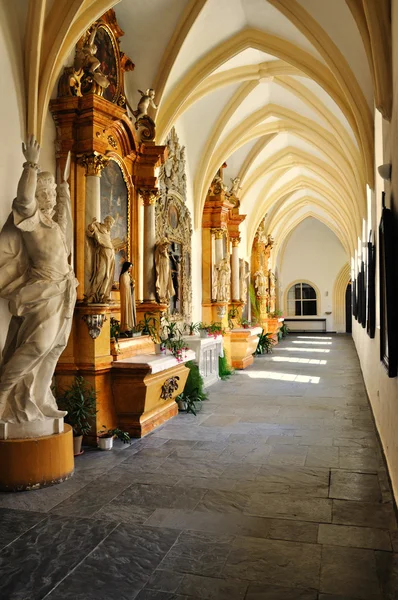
<point>35,429</point>
<point>33,463</point>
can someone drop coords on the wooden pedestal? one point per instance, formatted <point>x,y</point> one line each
<point>137,393</point>
<point>33,463</point>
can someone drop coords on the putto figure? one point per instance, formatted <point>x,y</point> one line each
<point>147,100</point>
<point>38,281</point>
<point>101,259</point>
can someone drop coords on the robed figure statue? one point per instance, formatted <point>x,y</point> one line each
<point>128,317</point>
<point>38,281</point>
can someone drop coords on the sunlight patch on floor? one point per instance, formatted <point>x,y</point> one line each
<point>292,359</point>
<point>293,349</point>
<point>312,337</point>
<point>281,376</point>
<point>303,342</point>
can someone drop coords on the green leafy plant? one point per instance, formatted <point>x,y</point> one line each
<point>149,326</point>
<point>115,328</point>
<point>265,343</point>
<point>192,327</point>
<point>284,330</point>
<point>245,323</point>
<point>80,400</point>
<point>123,436</point>
<point>276,314</point>
<point>224,370</point>
<point>194,391</point>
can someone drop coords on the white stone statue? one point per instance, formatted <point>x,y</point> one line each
<point>234,191</point>
<point>164,282</point>
<point>243,278</point>
<point>223,280</point>
<point>147,99</point>
<point>128,316</point>
<point>38,281</point>
<point>101,261</point>
<point>260,283</point>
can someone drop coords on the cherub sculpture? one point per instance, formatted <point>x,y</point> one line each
<point>235,187</point>
<point>147,99</point>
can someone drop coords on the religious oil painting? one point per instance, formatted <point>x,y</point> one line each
<point>107,56</point>
<point>114,202</point>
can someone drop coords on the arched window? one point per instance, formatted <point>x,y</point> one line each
<point>301,300</point>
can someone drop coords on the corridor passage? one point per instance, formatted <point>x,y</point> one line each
<point>276,490</point>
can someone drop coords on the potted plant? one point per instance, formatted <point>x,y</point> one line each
<point>245,323</point>
<point>189,400</point>
<point>79,400</point>
<point>203,330</point>
<point>265,343</point>
<point>106,436</point>
<point>192,327</point>
<point>137,330</point>
<point>115,329</point>
<point>215,329</point>
<point>149,325</point>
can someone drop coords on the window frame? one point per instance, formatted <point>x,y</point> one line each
<point>301,299</point>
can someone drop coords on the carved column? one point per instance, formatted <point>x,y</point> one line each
<point>93,164</point>
<point>235,295</point>
<point>149,200</point>
<point>219,245</point>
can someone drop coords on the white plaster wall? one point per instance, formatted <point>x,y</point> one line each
<point>312,254</point>
<point>382,390</point>
<point>12,119</point>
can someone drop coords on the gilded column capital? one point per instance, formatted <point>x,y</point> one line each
<point>149,196</point>
<point>235,242</point>
<point>93,163</point>
<point>218,233</point>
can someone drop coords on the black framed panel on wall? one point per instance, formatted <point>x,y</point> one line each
<point>371,322</point>
<point>388,293</point>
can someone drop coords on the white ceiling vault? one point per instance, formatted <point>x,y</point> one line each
<point>280,90</point>
<point>283,91</point>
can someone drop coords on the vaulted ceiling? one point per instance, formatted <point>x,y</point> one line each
<point>283,91</point>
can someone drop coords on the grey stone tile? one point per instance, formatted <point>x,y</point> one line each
<point>273,592</point>
<point>223,501</point>
<point>40,558</point>
<point>120,566</point>
<point>355,537</point>
<point>210,588</point>
<point>295,531</point>
<point>198,553</point>
<point>364,514</point>
<point>387,570</point>
<point>350,572</point>
<point>219,421</point>
<point>192,467</point>
<point>14,523</point>
<point>166,581</point>
<point>359,459</point>
<point>216,523</point>
<point>347,485</point>
<point>241,472</point>
<point>287,455</point>
<point>155,595</point>
<point>319,456</point>
<point>368,442</point>
<point>211,483</point>
<point>156,496</point>
<point>124,513</point>
<point>272,561</point>
<point>290,507</point>
<point>394,540</point>
<point>302,481</point>
<point>133,477</point>
<point>91,498</point>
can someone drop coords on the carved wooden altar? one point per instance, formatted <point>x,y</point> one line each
<point>112,169</point>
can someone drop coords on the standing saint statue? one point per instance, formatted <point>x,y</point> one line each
<point>38,281</point>
<point>128,315</point>
<point>164,282</point>
<point>101,259</point>
<point>223,280</point>
<point>243,277</point>
<point>261,283</point>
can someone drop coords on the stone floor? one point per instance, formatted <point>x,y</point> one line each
<point>275,491</point>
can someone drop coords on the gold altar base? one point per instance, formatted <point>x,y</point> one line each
<point>33,463</point>
<point>132,346</point>
<point>242,344</point>
<point>137,395</point>
<point>272,326</point>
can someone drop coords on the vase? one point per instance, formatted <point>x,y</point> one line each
<point>203,333</point>
<point>77,445</point>
<point>105,443</point>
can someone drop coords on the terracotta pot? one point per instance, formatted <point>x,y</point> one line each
<point>77,445</point>
<point>105,443</point>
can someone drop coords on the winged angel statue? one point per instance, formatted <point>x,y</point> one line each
<point>38,281</point>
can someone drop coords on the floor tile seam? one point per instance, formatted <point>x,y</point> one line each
<point>45,516</point>
<point>80,562</point>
